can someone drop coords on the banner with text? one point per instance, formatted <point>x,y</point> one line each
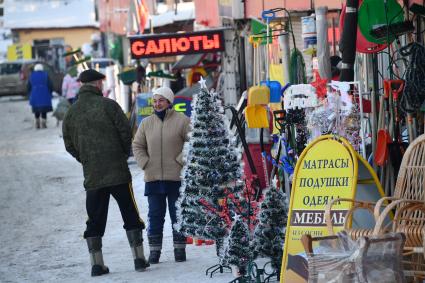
<point>144,105</point>
<point>326,170</point>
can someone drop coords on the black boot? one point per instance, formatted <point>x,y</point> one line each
<point>155,246</point>
<point>96,257</point>
<point>179,241</point>
<point>135,238</point>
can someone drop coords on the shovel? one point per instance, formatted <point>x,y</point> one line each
<point>274,86</point>
<point>256,117</point>
<point>258,96</point>
<point>396,147</point>
<point>383,136</point>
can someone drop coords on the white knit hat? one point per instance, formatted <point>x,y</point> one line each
<point>166,92</point>
<point>38,67</point>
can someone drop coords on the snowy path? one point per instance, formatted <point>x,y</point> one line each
<point>42,209</point>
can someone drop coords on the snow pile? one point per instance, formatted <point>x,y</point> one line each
<point>42,208</point>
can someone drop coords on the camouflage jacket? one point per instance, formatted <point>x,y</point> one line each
<point>97,133</point>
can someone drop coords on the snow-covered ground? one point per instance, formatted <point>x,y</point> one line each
<point>42,214</point>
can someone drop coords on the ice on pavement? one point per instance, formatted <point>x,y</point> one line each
<point>42,209</point>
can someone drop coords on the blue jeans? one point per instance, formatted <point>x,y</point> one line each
<point>157,209</point>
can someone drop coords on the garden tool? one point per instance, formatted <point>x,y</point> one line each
<point>264,158</point>
<point>258,96</point>
<point>396,147</point>
<point>383,136</point>
<point>256,116</point>
<point>274,86</point>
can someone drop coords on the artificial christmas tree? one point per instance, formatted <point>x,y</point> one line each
<point>212,171</point>
<point>238,251</point>
<point>269,235</point>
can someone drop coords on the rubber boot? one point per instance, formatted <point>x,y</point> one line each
<point>155,246</point>
<point>179,241</point>
<point>96,257</point>
<point>135,239</point>
<point>43,123</point>
<point>37,123</point>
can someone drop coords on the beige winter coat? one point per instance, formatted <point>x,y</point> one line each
<point>158,145</point>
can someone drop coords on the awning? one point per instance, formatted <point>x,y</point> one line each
<point>196,88</point>
<point>188,61</point>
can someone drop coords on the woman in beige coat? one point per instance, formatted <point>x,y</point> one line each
<point>157,148</point>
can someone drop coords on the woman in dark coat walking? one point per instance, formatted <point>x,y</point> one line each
<point>40,91</point>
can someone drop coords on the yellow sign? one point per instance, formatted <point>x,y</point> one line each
<point>19,51</point>
<point>327,169</point>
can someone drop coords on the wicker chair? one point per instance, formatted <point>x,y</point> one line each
<point>408,205</point>
<point>367,260</point>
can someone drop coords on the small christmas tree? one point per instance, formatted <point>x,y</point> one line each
<point>269,235</point>
<point>212,170</point>
<point>237,246</point>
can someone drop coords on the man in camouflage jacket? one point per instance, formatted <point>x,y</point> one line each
<point>96,132</point>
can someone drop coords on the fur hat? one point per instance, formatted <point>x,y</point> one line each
<point>166,92</point>
<point>90,75</point>
<point>38,67</point>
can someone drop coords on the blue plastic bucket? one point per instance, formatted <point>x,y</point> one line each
<point>275,90</point>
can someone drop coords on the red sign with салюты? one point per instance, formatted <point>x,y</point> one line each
<point>176,44</point>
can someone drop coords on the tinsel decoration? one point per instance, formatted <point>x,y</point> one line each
<point>350,127</point>
<point>322,119</point>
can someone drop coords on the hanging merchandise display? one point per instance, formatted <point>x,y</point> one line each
<point>362,44</point>
<point>348,101</point>
<point>414,90</point>
<point>377,13</point>
<point>297,99</point>
<point>298,75</point>
<point>300,96</point>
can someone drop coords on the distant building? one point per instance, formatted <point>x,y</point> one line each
<point>50,25</point>
<point>119,19</point>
